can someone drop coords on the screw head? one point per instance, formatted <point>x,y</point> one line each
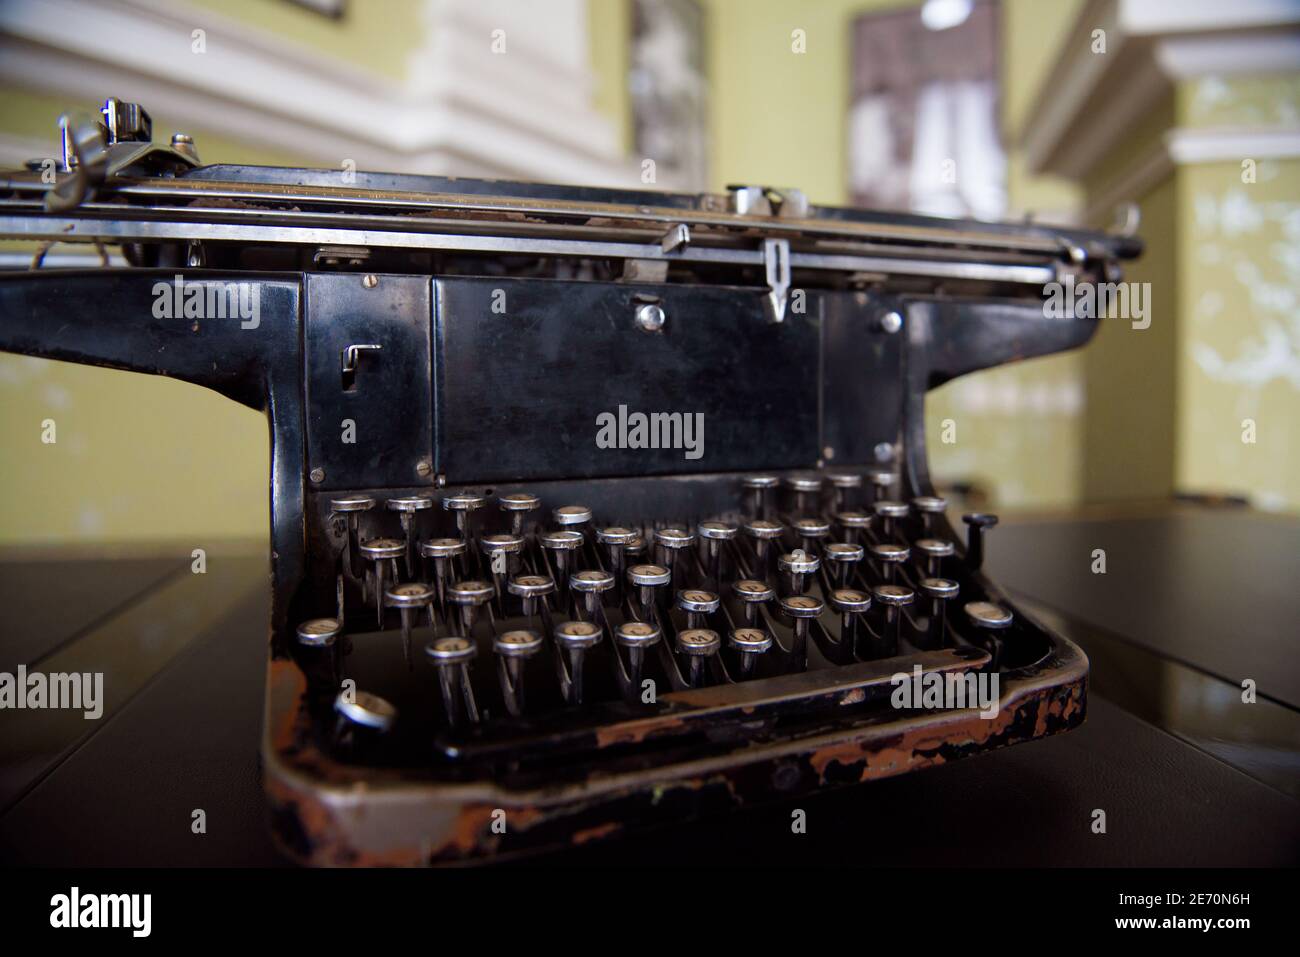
<point>370,280</point>
<point>317,475</point>
<point>423,467</point>
<point>891,322</point>
<point>650,317</point>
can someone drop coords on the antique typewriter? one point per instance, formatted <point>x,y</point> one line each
<point>590,508</point>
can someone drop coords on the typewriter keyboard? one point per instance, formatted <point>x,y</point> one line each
<point>476,627</point>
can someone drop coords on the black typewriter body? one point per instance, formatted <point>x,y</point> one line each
<point>452,372</point>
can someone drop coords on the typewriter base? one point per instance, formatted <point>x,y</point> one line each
<point>328,813</point>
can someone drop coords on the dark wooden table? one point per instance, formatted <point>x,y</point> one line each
<point>1192,603</point>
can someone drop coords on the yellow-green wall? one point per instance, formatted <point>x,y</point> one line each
<point>1238,353</point>
<point>1135,415</point>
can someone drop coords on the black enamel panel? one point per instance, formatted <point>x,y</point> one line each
<point>389,399</point>
<point>522,387</point>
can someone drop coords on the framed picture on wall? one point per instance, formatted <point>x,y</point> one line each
<point>923,128</point>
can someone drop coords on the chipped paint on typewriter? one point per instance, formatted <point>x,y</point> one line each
<point>589,508</point>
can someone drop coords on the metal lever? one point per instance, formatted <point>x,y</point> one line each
<point>85,155</point>
<point>352,359</point>
<point>776,267</point>
<point>352,354</point>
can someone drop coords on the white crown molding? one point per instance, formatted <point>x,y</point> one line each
<point>1091,100</point>
<point>1187,147</point>
<point>461,111</point>
<point>1231,144</point>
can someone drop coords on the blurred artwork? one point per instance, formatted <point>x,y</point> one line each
<point>923,120</point>
<point>668,86</point>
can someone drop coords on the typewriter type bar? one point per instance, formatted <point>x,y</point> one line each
<point>634,521</point>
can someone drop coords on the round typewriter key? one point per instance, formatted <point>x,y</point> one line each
<point>759,488</point>
<point>578,634</point>
<point>365,710</point>
<point>797,566</point>
<point>646,578</point>
<point>842,485</point>
<point>806,490</point>
<point>442,548</point>
<point>940,591</point>
<point>530,588</point>
<point>893,598</point>
<point>463,505</point>
<point>889,512</point>
<point>934,551</point>
<point>985,614</point>
<point>697,603</point>
<point>451,656</point>
<point>635,548</point>
<point>637,634</point>
<point>976,523</point>
<point>320,636</point>
<point>810,530</point>
<point>928,506</point>
<point>882,480</point>
<point>517,505</point>
<point>469,596</point>
<point>453,650</point>
<point>560,545</point>
<point>407,598</point>
<point>851,605</point>
<point>753,593</point>
<point>843,558</point>
<point>319,632</point>
<point>991,620</point>
<point>513,648</point>
<point>351,507</point>
<point>712,535</point>
<point>349,504</point>
<point>804,483</point>
<point>615,538</point>
<point>443,551</point>
<point>801,609</point>
<point>697,644</point>
<point>409,505</point>
<point>941,588</point>
<point>763,532</point>
<point>716,531</point>
<point>382,548</point>
<point>853,522</point>
<point>574,638</point>
<point>636,637</point>
<point>509,544</point>
<point>383,553</point>
<point>571,516</point>
<point>591,584</point>
<point>672,540</point>
<point>890,556</point>
<point>502,553</point>
<point>464,502</point>
<point>520,643</point>
<point>749,643</point>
